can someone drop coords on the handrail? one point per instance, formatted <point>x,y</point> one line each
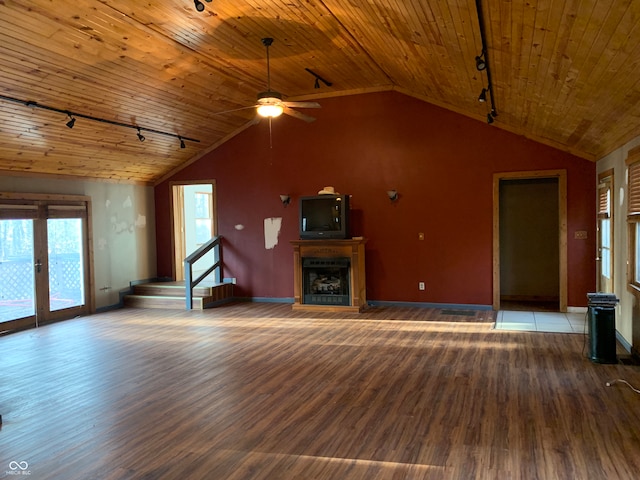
<point>214,244</point>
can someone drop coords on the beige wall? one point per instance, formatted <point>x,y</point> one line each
<point>123,221</point>
<point>616,161</point>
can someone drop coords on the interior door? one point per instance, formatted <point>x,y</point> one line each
<point>44,262</point>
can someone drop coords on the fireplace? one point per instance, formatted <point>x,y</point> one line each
<point>329,275</point>
<point>326,281</point>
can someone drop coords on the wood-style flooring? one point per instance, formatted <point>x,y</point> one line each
<point>258,391</point>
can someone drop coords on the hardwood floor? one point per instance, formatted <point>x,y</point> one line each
<point>258,391</point>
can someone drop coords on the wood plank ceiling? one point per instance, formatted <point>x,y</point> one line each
<point>565,72</point>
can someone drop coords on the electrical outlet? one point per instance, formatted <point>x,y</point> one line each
<point>421,286</point>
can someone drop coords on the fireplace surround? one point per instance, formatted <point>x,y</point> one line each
<point>329,275</point>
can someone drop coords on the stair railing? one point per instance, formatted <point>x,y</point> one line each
<point>214,244</point>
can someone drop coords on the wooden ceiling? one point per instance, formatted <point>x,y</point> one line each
<point>565,72</point>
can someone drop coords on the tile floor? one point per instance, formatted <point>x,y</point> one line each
<point>541,321</point>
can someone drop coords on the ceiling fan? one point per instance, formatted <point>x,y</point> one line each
<point>270,103</point>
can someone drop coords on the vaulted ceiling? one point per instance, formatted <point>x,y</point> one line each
<point>564,72</point>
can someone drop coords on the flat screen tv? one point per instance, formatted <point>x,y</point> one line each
<point>324,216</point>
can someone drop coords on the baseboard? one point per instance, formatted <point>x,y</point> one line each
<point>460,306</point>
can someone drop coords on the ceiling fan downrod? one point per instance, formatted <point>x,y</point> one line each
<point>267,43</point>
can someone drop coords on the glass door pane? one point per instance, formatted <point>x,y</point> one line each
<point>17,277</point>
<point>66,264</point>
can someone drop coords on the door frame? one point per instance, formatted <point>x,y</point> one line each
<point>177,218</point>
<point>41,201</point>
<point>561,175</point>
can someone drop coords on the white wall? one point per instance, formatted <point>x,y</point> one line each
<point>616,161</point>
<point>123,216</point>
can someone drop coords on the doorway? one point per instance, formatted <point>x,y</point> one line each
<point>529,241</point>
<point>194,223</point>
<point>45,259</point>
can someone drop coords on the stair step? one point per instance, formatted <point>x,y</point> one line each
<point>164,301</point>
<point>171,295</point>
<point>170,289</point>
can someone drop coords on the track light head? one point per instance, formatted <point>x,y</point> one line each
<point>71,122</point>
<point>199,5</point>
<point>483,96</point>
<point>481,64</point>
<point>182,145</point>
<point>489,118</point>
<point>140,136</point>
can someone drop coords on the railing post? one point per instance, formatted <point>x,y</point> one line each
<point>187,284</point>
<point>218,258</point>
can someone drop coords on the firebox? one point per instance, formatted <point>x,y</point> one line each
<point>326,281</point>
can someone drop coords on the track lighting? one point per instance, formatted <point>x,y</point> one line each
<point>482,63</point>
<point>73,115</point>
<point>182,145</point>
<point>319,79</point>
<point>140,136</point>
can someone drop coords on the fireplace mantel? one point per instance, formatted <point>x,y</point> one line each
<point>353,249</point>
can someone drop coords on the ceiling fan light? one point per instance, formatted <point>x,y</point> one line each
<point>270,110</point>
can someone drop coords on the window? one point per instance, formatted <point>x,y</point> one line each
<point>633,218</point>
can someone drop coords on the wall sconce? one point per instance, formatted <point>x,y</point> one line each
<point>393,195</point>
<point>285,199</point>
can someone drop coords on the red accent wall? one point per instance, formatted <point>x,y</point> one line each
<point>441,163</point>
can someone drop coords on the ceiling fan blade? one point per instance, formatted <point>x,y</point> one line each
<point>299,115</point>
<point>302,104</point>
<point>233,110</point>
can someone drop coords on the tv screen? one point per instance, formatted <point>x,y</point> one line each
<point>324,216</point>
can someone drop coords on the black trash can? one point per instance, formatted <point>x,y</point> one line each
<point>602,334</point>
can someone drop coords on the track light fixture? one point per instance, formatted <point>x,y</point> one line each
<point>393,195</point>
<point>483,96</point>
<point>481,64</point>
<point>74,115</point>
<point>182,145</point>
<point>140,136</point>
<point>489,118</point>
<point>199,5</point>
<point>319,79</point>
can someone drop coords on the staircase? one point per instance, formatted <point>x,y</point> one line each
<point>172,295</point>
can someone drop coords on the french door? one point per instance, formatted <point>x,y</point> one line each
<point>44,260</point>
